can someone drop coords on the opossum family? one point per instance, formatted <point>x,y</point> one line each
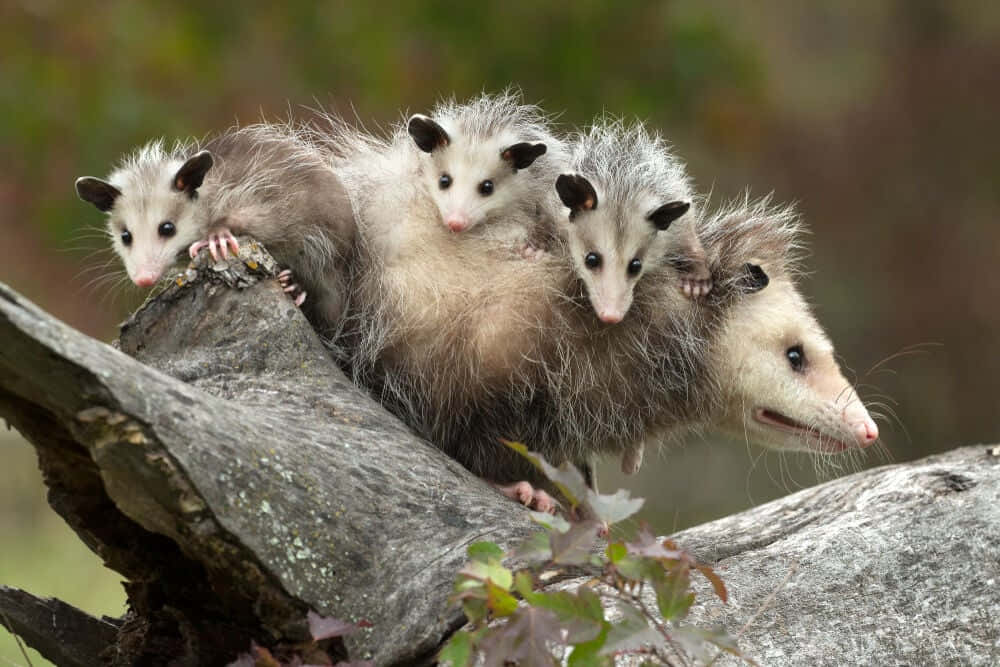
<point>490,280</point>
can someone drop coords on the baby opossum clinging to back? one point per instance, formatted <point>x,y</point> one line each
<point>262,180</point>
<point>631,208</point>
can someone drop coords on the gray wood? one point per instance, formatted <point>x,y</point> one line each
<point>238,480</point>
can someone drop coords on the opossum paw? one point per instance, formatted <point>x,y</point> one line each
<point>695,288</point>
<point>218,243</point>
<point>532,253</point>
<point>529,496</point>
<point>292,289</point>
<point>632,460</point>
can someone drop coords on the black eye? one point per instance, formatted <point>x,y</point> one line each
<point>486,188</point>
<point>796,357</point>
<point>166,229</point>
<point>634,267</point>
<point>126,237</point>
<point>444,182</point>
<point>592,260</point>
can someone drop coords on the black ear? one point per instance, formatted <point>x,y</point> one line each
<point>99,193</point>
<point>522,155</point>
<point>576,192</point>
<point>426,133</point>
<point>192,173</point>
<point>754,279</point>
<point>663,216</point>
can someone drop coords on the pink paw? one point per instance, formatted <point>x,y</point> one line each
<point>695,288</point>
<point>218,243</point>
<point>532,253</point>
<point>529,496</point>
<point>293,290</point>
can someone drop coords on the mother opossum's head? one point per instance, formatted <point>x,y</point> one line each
<point>783,388</point>
<point>153,209</point>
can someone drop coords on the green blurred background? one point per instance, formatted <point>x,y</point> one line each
<point>877,118</point>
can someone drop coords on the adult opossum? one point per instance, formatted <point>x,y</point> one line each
<point>263,180</point>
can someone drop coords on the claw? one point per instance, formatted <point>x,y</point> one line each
<point>300,299</point>
<point>529,496</point>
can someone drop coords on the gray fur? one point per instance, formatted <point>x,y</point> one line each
<point>268,182</point>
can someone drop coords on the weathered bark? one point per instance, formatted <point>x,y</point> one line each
<point>238,480</point>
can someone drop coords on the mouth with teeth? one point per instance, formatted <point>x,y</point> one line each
<point>820,441</point>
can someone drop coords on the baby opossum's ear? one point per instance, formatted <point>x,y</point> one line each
<point>192,173</point>
<point>522,155</point>
<point>577,193</point>
<point>99,193</point>
<point>754,279</point>
<point>427,134</point>
<point>663,216</point>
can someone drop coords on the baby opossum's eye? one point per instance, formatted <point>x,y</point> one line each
<point>126,237</point>
<point>634,267</point>
<point>796,357</point>
<point>592,260</point>
<point>444,182</point>
<point>486,188</point>
<point>166,229</point>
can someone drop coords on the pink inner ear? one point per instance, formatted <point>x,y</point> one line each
<point>588,203</point>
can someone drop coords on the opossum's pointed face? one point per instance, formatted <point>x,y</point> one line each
<point>612,248</point>
<point>784,387</point>
<point>473,182</point>
<point>151,221</point>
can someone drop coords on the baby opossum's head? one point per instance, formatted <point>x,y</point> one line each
<point>472,179</point>
<point>785,389</point>
<point>153,209</point>
<point>626,193</point>
<point>613,246</point>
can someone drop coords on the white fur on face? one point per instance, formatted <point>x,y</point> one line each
<point>815,409</point>
<point>469,165</point>
<point>140,209</point>
<point>618,237</point>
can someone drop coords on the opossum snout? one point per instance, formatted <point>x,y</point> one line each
<point>863,427</point>
<point>610,315</point>
<point>146,278</point>
<point>457,222</point>
<point>866,432</point>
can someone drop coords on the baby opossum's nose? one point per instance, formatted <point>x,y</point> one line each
<point>610,315</point>
<point>457,222</point>
<point>146,278</point>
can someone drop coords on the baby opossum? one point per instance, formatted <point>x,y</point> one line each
<point>630,207</point>
<point>263,180</point>
<point>420,327</point>
<point>475,153</point>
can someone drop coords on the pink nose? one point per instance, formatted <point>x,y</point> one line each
<point>866,432</point>
<point>146,278</point>
<point>610,316</point>
<point>457,222</point>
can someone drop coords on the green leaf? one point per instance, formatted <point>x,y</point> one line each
<point>589,654</point>
<point>536,548</point>
<point>613,507</point>
<point>632,631</point>
<point>524,584</point>
<point>488,571</point>
<point>457,651</point>
<point>575,545</point>
<point>636,568</point>
<point>580,614</point>
<point>499,601</point>
<point>673,595</point>
<point>615,552</point>
<point>553,522</point>
<point>523,639</point>
<point>484,552</point>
